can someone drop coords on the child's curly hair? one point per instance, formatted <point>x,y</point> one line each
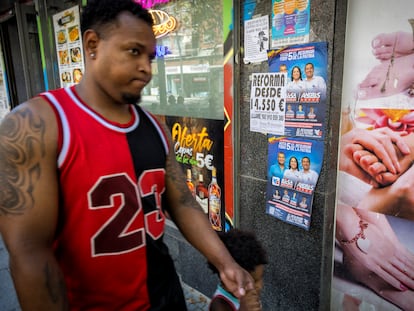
<point>246,250</point>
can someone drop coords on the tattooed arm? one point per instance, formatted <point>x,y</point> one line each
<point>194,225</point>
<point>28,204</point>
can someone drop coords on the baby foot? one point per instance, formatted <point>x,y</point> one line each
<point>383,45</point>
<point>388,78</point>
<point>368,162</point>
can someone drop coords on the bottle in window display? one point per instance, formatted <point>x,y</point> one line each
<point>190,184</point>
<point>214,202</point>
<point>202,194</point>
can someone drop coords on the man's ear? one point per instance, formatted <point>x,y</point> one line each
<point>90,42</point>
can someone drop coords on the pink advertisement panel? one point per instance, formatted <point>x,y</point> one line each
<point>374,245</point>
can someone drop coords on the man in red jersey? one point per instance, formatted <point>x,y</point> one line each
<point>86,176</point>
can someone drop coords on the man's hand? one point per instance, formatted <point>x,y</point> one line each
<point>237,280</point>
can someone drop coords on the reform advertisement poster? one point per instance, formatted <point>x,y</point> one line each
<point>306,69</point>
<point>69,46</point>
<point>374,249</point>
<point>267,103</point>
<point>294,168</point>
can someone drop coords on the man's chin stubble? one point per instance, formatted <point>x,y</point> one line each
<point>131,99</point>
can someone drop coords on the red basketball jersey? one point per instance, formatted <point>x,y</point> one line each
<point>111,222</point>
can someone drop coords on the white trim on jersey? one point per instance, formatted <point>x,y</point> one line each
<point>65,127</point>
<point>100,119</point>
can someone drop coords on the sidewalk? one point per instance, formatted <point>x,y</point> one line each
<point>196,301</point>
<point>8,300</point>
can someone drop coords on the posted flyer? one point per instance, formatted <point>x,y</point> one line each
<point>306,69</point>
<point>256,39</point>
<point>290,22</point>
<point>69,46</point>
<point>294,166</point>
<point>267,103</point>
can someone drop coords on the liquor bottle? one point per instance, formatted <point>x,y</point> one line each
<point>202,194</point>
<point>190,184</point>
<point>214,202</point>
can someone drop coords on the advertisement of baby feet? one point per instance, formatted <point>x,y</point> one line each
<point>374,245</point>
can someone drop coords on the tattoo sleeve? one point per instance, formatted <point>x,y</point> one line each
<point>176,175</point>
<point>22,146</point>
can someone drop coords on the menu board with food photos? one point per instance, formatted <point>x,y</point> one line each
<point>69,46</point>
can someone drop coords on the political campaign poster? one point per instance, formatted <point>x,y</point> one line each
<point>267,103</point>
<point>293,172</point>
<point>306,69</point>
<point>374,228</point>
<point>290,22</point>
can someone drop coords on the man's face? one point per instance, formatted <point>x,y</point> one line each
<point>281,158</point>
<point>305,164</point>
<point>124,52</point>
<point>309,71</point>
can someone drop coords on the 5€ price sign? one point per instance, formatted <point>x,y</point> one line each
<point>267,102</point>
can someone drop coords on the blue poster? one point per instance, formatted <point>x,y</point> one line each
<point>306,68</point>
<point>293,172</point>
<point>290,22</point>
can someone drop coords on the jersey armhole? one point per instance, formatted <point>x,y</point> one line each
<point>62,125</point>
<point>60,130</point>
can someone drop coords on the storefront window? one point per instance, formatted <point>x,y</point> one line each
<point>188,71</point>
<point>4,98</point>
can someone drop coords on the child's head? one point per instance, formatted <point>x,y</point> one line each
<point>247,252</point>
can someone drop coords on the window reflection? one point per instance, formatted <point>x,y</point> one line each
<point>188,79</point>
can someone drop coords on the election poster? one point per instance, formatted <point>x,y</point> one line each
<point>267,103</point>
<point>294,168</point>
<point>306,69</point>
<point>374,220</point>
<point>290,22</point>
